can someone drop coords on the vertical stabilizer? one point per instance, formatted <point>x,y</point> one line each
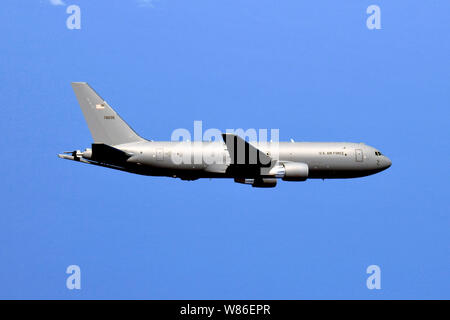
<point>105,124</point>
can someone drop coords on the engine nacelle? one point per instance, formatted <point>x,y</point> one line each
<point>291,171</point>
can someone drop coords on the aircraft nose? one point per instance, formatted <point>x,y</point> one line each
<point>387,162</point>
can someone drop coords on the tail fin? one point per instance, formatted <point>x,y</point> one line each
<point>105,124</point>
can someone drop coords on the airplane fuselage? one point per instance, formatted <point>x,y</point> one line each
<point>260,164</point>
<point>325,160</point>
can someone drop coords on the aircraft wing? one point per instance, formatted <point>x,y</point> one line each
<point>242,153</point>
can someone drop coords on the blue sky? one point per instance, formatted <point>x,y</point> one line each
<point>310,68</point>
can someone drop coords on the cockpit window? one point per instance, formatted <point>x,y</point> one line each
<point>378,153</point>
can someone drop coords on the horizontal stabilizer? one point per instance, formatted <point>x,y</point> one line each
<point>107,154</point>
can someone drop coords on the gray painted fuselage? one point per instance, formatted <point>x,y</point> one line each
<point>325,160</point>
<point>117,146</point>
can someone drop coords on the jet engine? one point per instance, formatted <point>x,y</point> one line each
<point>291,171</point>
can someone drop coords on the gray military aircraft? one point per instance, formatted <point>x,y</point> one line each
<point>260,164</point>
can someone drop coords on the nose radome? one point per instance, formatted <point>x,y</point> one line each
<point>388,162</point>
